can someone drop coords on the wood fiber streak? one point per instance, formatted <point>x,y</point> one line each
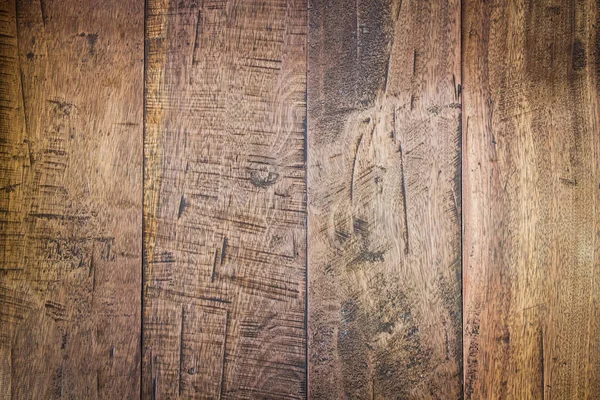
<point>71,91</point>
<point>225,200</point>
<point>532,199</point>
<point>384,200</point>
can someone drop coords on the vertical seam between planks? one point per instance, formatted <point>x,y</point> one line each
<point>462,142</point>
<point>143,282</point>
<point>306,58</point>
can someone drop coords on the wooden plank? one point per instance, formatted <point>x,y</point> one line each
<point>532,200</point>
<point>384,200</point>
<point>71,116</point>
<point>225,200</point>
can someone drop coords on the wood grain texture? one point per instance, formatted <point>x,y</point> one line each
<point>384,200</point>
<point>532,199</point>
<point>225,200</point>
<point>71,92</point>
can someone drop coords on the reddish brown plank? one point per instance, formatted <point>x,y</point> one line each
<point>225,200</point>
<point>531,176</point>
<point>384,200</point>
<point>71,91</point>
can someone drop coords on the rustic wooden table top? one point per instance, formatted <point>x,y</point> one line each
<point>291,199</point>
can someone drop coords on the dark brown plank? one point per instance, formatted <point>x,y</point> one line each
<point>70,199</point>
<point>384,200</point>
<point>532,170</point>
<point>225,200</point>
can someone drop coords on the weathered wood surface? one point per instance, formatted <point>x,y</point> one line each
<point>532,199</point>
<point>225,200</point>
<point>384,195</point>
<point>196,287</point>
<point>71,106</point>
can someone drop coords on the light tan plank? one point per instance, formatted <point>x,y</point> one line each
<point>532,200</point>
<point>225,202</point>
<point>384,200</point>
<point>71,91</point>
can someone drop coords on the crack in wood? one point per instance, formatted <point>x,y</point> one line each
<point>542,363</point>
<point>224,359</point>
<point>404,200</point>
<point>180,380</point>
<point>223,250</point>
<point>214,267</point>
<point>195,47</point>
